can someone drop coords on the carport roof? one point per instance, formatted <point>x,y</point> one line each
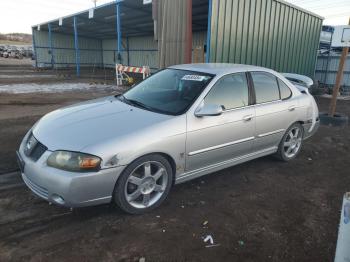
<point>136,20</point>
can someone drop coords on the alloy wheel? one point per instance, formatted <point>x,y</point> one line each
<point>292,142</point>
<point>146,184</point>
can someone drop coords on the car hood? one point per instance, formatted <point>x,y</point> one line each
<point>89,123</point>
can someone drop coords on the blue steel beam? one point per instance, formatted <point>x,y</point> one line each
<point>50,45</point>
<point>76,45</point>
<point>34,48</point>
<point>207,59</point>
<point>95,49</point>
<point>127,51</point>
<point>102,53</point>
<point>118,28</point>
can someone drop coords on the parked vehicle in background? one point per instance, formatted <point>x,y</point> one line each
<point>2,49</point>
<point>18,52</point>
<point>12,52</point>
<point>179,124</point>
<point>28,52</point>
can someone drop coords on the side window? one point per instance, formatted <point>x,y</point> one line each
<point>230,92</point>
<point>266,87</point>
<point>284,90</point>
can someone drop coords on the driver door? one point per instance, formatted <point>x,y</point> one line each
<point>215,139</point>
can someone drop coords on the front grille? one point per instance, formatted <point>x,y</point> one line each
<point>33,148</point>
<point>40,191</point>
<point>38,151</point>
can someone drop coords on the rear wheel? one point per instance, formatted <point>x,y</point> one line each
<point>291,143</point>
<point>144,184</point>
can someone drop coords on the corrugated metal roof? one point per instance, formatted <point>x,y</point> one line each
<point>136,20</point>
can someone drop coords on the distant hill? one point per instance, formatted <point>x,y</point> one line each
<point>15,38</point>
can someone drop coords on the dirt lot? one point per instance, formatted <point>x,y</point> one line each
<point>263,210</point>
<point>22,71</point>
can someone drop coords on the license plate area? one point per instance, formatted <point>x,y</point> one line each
<point>20,162</point>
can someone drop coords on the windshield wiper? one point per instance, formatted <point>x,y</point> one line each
<point>132,102</point>
<point>138,104</point>
<point>122,98</point>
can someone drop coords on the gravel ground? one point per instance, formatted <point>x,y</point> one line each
<point>14,61</point>
<point>263,210</point>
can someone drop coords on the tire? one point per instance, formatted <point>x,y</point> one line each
<point>295,143</point>
<point>144,184</point>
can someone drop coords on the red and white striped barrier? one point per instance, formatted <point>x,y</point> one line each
<point>121,70</point>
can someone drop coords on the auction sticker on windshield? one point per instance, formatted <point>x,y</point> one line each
<point>194,78</point>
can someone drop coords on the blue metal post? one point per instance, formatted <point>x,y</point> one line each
<point>207,59</point>
<point>102,62</point>
<point>119,32</point>
<point>127,49</point>
<point>34,49</point>
<point>76,45</point>
<point>50,45</point>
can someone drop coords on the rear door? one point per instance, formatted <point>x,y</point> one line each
<point>214,139</point>
<point>275,109</point>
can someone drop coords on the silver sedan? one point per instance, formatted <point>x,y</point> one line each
<point>181,123</point>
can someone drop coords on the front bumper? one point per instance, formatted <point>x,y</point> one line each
<point>66,188</point>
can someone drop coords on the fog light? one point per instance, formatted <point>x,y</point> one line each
<point>58,199</point>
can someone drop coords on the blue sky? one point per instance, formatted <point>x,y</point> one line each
<point>20,15</point>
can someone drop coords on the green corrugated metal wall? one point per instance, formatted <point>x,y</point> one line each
<point>267,33</point>
<point>64,52</point>
<point>143,50</point>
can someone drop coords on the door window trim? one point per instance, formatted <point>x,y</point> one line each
<point>253,88</point>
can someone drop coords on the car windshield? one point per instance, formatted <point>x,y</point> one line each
<point>170,91</point>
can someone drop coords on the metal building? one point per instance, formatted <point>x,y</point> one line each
<point>270,33</point>
<point>327,69</point>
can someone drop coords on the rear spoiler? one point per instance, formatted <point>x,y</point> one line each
<point>300,81</point>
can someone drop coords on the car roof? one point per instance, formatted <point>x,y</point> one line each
<point>220,68</point>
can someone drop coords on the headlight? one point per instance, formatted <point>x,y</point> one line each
<point>74,161</point>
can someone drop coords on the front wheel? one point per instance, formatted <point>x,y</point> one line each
<point>144,184</point>
<point>291,143</point>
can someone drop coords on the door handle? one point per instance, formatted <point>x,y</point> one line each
<point>292,108</point>
<point>247,118</point>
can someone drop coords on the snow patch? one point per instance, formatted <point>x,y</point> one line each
<point>27,76</point>
<point>51,88</point>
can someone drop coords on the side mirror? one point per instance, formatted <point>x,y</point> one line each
<point>209,110</point>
